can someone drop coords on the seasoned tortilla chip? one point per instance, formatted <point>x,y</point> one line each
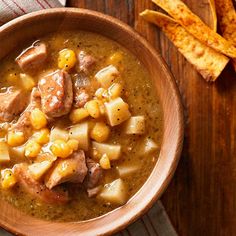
<point>227,21</point>
<point>194,25</point>
<point>213,14</point>
<point>206,60</point>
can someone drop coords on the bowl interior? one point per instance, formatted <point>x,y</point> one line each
<point>40,23</point>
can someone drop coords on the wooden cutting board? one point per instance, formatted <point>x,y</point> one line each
<point>201,198</point>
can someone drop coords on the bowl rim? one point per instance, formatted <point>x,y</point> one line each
<point>171,80</point>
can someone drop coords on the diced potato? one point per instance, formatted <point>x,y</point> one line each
<point>100,132</point>
<point>8,179</point>
<point>37,170</point>
<point>41,136</point>
<point>126,170</point>
<point>112,151</point>
<point>15,138</point>
<point>38,119</point>
<point>117,111</point>
<point>115,192</point>
<point>148,146</point>
<point>80,132</point>
<point>115,90</point>
<point>93,108</point>
<point>61,149</point>
<point>79,114</point>
<point>74,144</point>
<point>135,125</point>
<point>66,59</point>
<point>105,162</point>
<point>27,81</point>
<point>107,75</point>
<point>115,58</point>
<point>58,133</point>
<point>4,152</point>
<point>32,149</point>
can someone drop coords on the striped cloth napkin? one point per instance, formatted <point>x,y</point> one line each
<point>156,221</point>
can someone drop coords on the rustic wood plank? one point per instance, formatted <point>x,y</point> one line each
<point>201,197</point>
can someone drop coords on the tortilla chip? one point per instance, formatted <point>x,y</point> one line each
<point>227,21</point>
<point>213,14</point>
<point>194,25</point>
<point>206,60</point>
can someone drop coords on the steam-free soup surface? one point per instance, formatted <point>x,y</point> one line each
<point>77,92</point>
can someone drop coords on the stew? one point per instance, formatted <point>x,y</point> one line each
<point>81,126</point>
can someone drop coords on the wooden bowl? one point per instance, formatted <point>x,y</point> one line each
<point>40,23</point>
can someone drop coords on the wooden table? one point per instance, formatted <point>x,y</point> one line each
<point>201,198</point>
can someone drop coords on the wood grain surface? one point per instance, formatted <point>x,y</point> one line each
<point>201,199</point>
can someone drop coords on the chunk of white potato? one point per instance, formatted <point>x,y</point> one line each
<point>80,132</point>
<point>58,133</point>
<point>126,170</point>
<point>135,125</point>
<point>148,146</point>
<point>111,150</point>
<point>117,111</point>
<point>4,152</point>
<point>37,170</point>
<point>114,192</point>
<point>106,76</point>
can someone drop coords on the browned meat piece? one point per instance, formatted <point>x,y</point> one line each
<point>85,61</point>
<point>36,189</point>
<point>94,173</point>
<point>32,56</point>
<point>23,124</point>
<point>72,169</point>
<point>56,93</point>
<point>12,103</point>
<point>92,192</point>
<point>81,84</point>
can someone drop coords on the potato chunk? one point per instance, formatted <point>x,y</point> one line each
<point>80,132</point>
<point>117,111</point>
<point>135,125</point>
<point>112,151</point>
<point>148,146</point>
<point>37,170</point>
<point>126,170</point>
<point>4,152</point>
<point>114,192</point>
<point>106,76</point>
<point>59,134</point>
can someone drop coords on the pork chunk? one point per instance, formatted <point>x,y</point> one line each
<point>86,61</point>
<point>23,124</point>
<point>72,169</point>
<point>56,93</point>
<point>33,56</point>
<point>37,189</point>
<point>12,103</point>
<point>94,173</point>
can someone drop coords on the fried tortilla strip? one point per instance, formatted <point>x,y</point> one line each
<point>194,25</point>
<point>206,60</point>
<point>227,21</point>
<point>214,17</point>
